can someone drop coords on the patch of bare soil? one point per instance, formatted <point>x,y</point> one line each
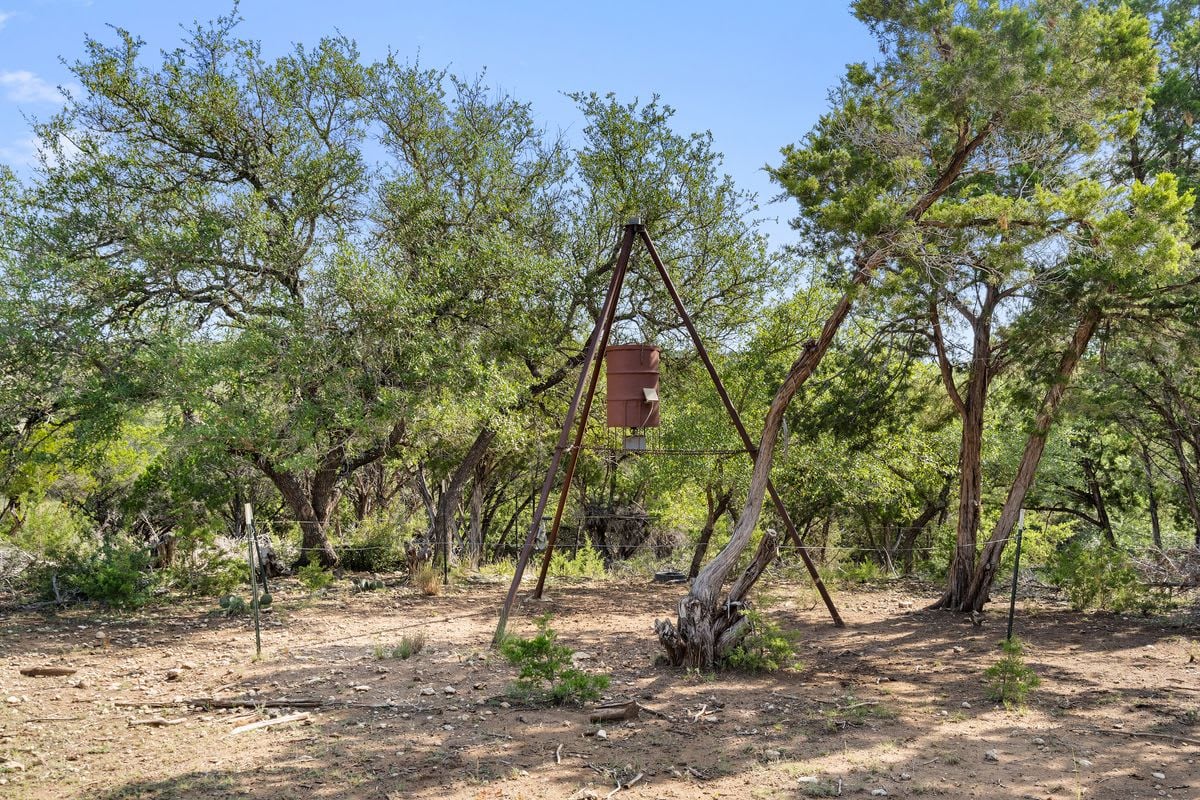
<point>892,705</point>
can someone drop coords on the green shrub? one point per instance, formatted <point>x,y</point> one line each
<point>586,562</point>
<point>314,577</point>
<point>545,672</point>
<point>765,649</point>
<point>408,647</point>
<point>117,575</point>
<point>1101,577</point>
<point>232,605</point>
<point>859,572</point>
<point>368,585</point>
<point>201,569</point>
<point>375,545</point>
<point>1010,680</point>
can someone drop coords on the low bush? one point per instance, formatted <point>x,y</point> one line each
<point>585,562</point>
<point>425,579</point>
<point>314,577</point>
<point>1101,577</point>
<point>859,572</point>
<point>202,569</point>
<point>1010,680</point>
<point>766,648</point>
<point>117,574</point>
<point>375,545</point>
<point>545,669</point>
<point>408,647</point>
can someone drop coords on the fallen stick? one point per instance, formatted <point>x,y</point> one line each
<point>558,755</point>
<point>615,711</point>
<point>47,672</point>
<point>266,723</point>
<point>652,712</point>
<point>256,702</point>
<point>155,722</point>
<point>1141,734</point>
<point>621,786</point>
<point>230,702</point>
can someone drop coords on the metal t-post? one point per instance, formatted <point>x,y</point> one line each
<point>248,516</point>
<point>610,300</point>
<point>1012,600</point>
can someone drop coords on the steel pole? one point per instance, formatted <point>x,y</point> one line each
<point>581,427</point>
<point>1012,600</point>
<point>784,516</point>
<point>610,300</point>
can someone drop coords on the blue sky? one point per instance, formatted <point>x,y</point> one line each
<point>754,73</point>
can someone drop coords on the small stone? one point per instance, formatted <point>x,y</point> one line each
<point>506,704</point>
<point>879,792</point>
<point>602,734</point>
<point>1158,776</point>
<point>362,688</point>
<point>772,755</point>
<point>481,686</point>
<point>427,691</point>
<point>807,779</point>
<point>174,674</point>
<point>905,776</point>
<point>447,727</point>
<point>449,690</point>
<point>991,755</point>
<point>13,700</point>
<point>965,704</point>
<point>1083,762</point>
<point>1038,740</point>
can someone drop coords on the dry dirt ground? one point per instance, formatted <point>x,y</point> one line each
<point>894,703</point>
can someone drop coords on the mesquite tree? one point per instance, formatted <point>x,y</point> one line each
<point>293,308</point>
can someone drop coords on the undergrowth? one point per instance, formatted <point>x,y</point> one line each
<point>1010,680</point>
<point>545,672</point>
<point>766,648</point>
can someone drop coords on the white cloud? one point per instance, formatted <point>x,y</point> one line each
<point>29,152</point>
<point>5,16</point>
<point>23,86</point>
<point>21,154</point>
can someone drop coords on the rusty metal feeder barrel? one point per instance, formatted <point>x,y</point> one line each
<point>632,377</point>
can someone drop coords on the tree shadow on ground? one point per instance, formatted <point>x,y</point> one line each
<point>896,693</point>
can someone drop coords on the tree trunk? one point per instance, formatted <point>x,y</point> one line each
<point>707,629</point>
<point>475,526</point>
<point>1152,496</point>
<point>1189,485</point>
<point>1097,500</point>
<point>970,465</point>
<point>989,561</point>
<point>444,527</point>
<point>907,539</point>
<point>716,507</point>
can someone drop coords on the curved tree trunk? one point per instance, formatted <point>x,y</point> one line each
<point>707,628</point>
<point>989,561</point>
<point>716,507</point>
<point>444,526</point>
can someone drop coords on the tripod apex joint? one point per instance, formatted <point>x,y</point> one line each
<point>634,222</point>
